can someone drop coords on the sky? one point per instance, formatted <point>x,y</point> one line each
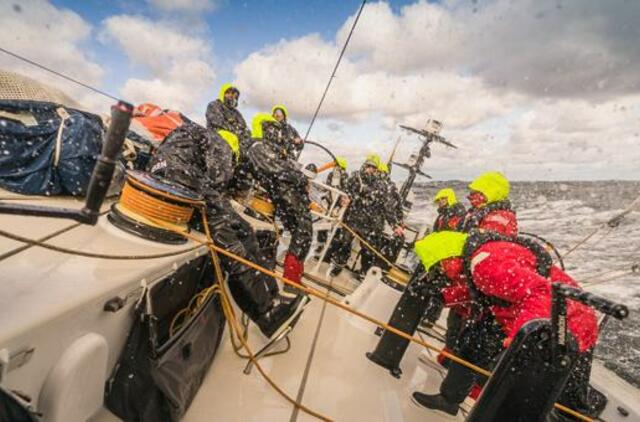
<point>537,89</point>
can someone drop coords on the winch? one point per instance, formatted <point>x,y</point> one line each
<point>154,208</point>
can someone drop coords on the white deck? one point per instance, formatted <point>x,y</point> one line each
<point>341,383</point>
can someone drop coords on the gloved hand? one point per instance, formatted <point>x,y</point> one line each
<point>507,342</point>
<point>434,308</point>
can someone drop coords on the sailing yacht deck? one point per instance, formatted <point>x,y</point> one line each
<point>332,377</point>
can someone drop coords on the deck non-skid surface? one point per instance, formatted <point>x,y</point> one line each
<point>342,383</point>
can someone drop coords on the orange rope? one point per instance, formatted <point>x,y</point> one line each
<point>147,205</point>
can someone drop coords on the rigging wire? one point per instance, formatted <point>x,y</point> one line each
<point>612,223</point>
<point>335,69</point>
<point>59,74</point>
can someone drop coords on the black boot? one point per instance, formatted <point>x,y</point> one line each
<point>335,271</point>
<point>281,316</point>
<point>435,402</point>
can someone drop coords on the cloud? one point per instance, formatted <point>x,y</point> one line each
<point>570,48</point>
<point>179,65</point>
<point>188,6</point>
<point>531,87</point>
<point>294,72</point>
<point>54,37</point>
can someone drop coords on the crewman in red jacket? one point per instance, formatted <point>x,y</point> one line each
<point>450,212</point>
<point>490,206</point>
<point>509,279</point>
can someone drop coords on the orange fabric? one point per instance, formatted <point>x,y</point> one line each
<point>326,166</point>
<point>157,122</point>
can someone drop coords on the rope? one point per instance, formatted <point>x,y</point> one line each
<point>227,308</point>
<point>335,69</point>
<point>583,241</point>
<point>308,290</point>
<point>612,223</point>
<point>606,280</point>
<point>70,79</point>
<point>229,312</point>
<point>369,246</point>
<point>77,252</point>
<point>142,203</point>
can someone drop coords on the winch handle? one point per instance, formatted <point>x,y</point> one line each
<point>103,171</point>
<point>606,306</point>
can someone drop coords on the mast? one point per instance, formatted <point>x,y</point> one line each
<point>428,135</point>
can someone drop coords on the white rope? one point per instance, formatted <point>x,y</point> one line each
<point>63,118</point>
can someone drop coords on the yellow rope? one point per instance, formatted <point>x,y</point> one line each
<point>235,326</point>
<point>369,246</point>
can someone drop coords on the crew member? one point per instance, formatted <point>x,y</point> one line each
<point>287,135</point>
<point>223,113</point>
<point>490,206</point>
<point>393,215</point>
<point>287,187</point>
<point>451,215</point>
<point>366,193</point>
<point>509,280</point>
<point>450,212</point>
<point>204,161</point>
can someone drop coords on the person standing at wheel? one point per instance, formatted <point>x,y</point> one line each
<point>287,135</point>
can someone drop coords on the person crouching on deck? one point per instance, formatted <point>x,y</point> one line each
<point>510,279</point>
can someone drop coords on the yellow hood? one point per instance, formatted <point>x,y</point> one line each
<point>438,246</point>
<point>373,159</point>
<point>446,193</point>
<point>493,185</point>
<point>281,107</point>
<point>256,124</point>
<point>224,88</point>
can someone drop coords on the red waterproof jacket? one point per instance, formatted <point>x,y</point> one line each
<point>500,221</point>
<point>507,271</point>
<point>450,217</point>
<point>496,217</point>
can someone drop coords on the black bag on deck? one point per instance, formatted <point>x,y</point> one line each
<point>47,149</point>
<point>159,374</point>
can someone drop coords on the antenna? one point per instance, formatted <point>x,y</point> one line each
<point>428,135</point>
